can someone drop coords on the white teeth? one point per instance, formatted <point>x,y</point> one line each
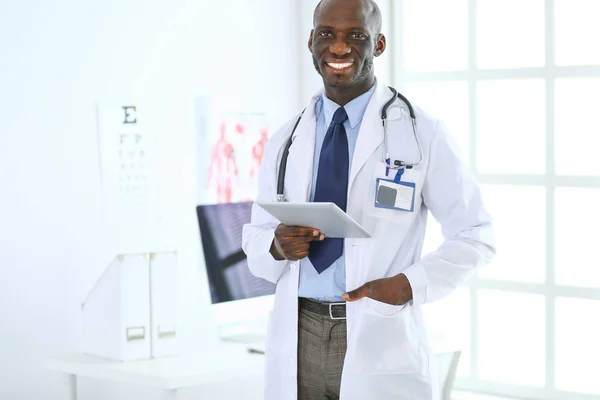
<point>339,65</point>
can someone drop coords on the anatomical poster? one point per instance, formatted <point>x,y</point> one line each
<point>231,138</point>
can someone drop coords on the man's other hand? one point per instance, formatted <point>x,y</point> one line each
<point>395,291</point>
<point>292,242</point>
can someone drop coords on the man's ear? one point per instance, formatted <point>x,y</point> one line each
<point>380,45</point>
<point>310,40</point>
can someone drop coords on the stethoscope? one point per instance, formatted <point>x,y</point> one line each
<point>396,165</point>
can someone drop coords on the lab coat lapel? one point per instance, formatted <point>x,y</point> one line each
<point>301,154</point>
<point>370,135</point>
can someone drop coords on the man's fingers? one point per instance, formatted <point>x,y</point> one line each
<point>303,239</point>
<point>299,247</point>
<point>293,231</point>
<point>295,250</point>
<point>299,251</point>
<point>293,242</point>
<point>311,238</point>
<point>301,254</point>
<point>357,294</point>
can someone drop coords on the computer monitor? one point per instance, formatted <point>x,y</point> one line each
<point>241,301</point>
<point>226,265</point>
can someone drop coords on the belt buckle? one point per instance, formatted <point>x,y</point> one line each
<point>331,312</point>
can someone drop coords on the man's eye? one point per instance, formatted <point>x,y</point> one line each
<point>357,35</point>
<point>324,34</point>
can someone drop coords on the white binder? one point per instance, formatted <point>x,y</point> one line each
<point>163,308</point>
<point>116,314</point>
<point>130,314</point>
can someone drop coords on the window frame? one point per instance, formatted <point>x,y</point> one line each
<point>550,72</point>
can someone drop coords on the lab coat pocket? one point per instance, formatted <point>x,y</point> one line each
<point>384,309</point>
<point>388,340</point>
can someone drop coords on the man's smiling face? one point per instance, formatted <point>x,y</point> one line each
<point>344,41</point>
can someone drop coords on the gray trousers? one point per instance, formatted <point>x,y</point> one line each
<point>321,352</point>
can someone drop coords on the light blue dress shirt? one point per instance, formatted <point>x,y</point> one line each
<point>331,283</point>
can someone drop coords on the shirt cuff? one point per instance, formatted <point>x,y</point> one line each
<point>418,282</point>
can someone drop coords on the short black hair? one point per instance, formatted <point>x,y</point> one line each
<point>374,12</point>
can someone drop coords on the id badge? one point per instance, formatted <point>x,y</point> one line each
<point>395,194</point>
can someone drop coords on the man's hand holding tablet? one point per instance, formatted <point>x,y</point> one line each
<point>292,242</point>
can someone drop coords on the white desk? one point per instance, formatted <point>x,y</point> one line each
<point>228,362</point>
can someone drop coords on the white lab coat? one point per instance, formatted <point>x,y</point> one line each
<point>388,354</point>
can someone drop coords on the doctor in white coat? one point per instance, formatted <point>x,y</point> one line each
<point>378,333</point>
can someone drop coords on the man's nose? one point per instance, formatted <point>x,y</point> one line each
<point>340,48</point>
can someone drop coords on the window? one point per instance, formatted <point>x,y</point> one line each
<point>517,83</point>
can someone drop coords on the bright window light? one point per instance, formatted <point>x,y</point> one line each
<point>435,35</point>
<point>577,220</point>
<point>448,101</point>
<point>577,32</point>
<point>519,214</point>
<point>510,33</point>
<point>577,345</point>
<point>512,338</point>
<point>511,128</point>
<point>577,131</point>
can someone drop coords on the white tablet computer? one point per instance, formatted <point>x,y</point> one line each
<point>328,218</point>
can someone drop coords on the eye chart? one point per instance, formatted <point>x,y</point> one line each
<point>128,158</point>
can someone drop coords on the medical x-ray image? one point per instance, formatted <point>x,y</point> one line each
<point>226,265</point>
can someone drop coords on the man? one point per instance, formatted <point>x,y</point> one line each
<point>347,321</point>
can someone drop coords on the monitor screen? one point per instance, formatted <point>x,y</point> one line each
<point>221,234</point>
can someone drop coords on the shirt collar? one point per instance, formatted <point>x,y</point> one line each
<point>355,109</point>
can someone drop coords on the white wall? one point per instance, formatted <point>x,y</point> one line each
<point>58,58</point>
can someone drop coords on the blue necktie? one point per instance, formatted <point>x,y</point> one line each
<point>332,186</point>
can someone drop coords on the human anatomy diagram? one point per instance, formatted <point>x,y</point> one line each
<point>223,168</point>
<point>235,147</point>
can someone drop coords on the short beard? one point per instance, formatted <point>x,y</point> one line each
<point>364,72</point>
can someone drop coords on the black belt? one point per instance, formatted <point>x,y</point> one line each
<point>331,310</point>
